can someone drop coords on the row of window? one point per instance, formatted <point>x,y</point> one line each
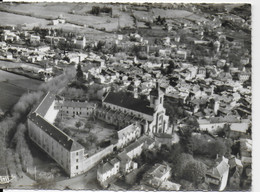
<point>123,110</point>
<point>76,108</point>
<point>77,113</point>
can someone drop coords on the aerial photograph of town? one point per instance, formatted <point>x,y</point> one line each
<point>125,96</point>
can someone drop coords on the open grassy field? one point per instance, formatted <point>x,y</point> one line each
<point>12,87</point>
<point>14,19</point>
<point>81,20</point>
<point>9,95</point>
<point>80,14</point>
<point>168,14</point>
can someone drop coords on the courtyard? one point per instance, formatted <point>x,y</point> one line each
<point>91,133</point>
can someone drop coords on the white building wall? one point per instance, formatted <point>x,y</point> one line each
<point>94,159</point>
<point>49,145</point>
<point>77,162</point>
<point>135,152</point>
<point>51,114</point>
<point>224,180</point>
<point>211,127</point>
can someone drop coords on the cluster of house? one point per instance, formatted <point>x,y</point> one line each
<point>228,171</point>
<point>123,163</point>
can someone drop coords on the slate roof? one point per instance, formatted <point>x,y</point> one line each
<point>75,104</point>
<point>133,146</point>
<point>45,104</point>
<point>163,135</point>
<point>127,101</point>
<point>105,168</point>
<point>239,127</point>
<point>222,167</point>
<point>159,170</point>
<point>58,135</point>
<point>233,162</point>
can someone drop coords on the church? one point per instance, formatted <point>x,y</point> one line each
<point>122,108</point>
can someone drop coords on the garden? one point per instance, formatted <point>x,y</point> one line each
<point>91,133</point>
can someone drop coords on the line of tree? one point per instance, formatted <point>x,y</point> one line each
<point>96,10</point>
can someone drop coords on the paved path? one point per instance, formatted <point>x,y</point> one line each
<point>85,181</point>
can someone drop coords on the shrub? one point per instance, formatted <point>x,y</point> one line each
<point>78,124</point>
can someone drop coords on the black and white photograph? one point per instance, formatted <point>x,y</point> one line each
<point>126,96</point>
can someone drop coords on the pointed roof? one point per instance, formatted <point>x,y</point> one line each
<point>222,168</point>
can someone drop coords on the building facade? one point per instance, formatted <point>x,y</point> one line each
<point>121,107</point>
<point>70,108</point>
<point>68,153</point>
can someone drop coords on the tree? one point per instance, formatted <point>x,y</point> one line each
<point>79,74</point>
<point>158,20</point>
<point>142,55</point>
<point>136,49</point>
<point>78,124</point>
<point>148,24</point>
<point>87,126</point>
<point>194,171</point>
<point>100,44</point>
<point>181,162</point>
<point>66,59</point>
<point>163,21</point>
<point>95,10</point>
<point>92,138</point>
<point>57,121</point>
<point>192,122</point>
<point>217,147</point>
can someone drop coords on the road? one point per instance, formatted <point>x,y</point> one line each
<point>85,181</point>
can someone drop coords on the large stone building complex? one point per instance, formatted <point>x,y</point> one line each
<point>134,115</point>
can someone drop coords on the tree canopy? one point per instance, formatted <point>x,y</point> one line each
<point>79,74</point>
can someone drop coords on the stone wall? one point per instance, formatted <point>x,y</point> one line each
<point>96,158</point>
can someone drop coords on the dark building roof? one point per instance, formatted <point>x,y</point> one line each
<point>45,104</point>
<point>58,135</point>
<point>127,101</point>
<point>163,135</point>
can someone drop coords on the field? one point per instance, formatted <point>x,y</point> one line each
<point>12,87</point>
<point>9,64</point>
<point>90,34</point>
<point>80,20</point>
<point>13,19</point>
<point>168,14</point>
<point>80,16</point>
